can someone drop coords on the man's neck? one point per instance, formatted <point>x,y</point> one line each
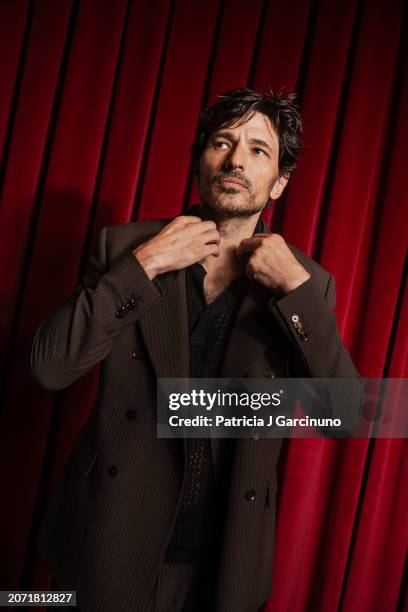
<point>232,232</point>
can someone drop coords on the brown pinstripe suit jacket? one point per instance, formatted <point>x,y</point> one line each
<point>108,522</point>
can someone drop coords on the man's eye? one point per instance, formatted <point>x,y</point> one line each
<point>220,144</point>
<point>259,151</point>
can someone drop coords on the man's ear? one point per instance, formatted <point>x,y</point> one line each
<point>278,187</point>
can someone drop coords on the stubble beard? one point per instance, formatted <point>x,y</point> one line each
<point>226,203</point>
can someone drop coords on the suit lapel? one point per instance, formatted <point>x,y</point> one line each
<point>165,329</point>
<point>247,341</point>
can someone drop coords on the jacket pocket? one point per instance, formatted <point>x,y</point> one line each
<point>84,453</point>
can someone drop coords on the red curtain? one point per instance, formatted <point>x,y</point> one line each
<point>98,107</point>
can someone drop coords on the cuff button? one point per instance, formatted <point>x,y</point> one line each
<point>250,495</point>
<point>135,302</point>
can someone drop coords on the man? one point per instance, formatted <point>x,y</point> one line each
<point>141,523</point>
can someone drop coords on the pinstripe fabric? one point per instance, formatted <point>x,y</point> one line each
<point>181,588</point>
<point>55,587</point>
<point>109,520</point>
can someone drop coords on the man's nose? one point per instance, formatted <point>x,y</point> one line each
<point>236,158</point>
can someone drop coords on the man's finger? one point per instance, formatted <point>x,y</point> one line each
<point>189,218</point>
<point>247,245</point>
<point>211,235</point>
<point>197,229</point>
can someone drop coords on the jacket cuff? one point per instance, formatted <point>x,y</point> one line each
<point>304,315</point>
<point>124,294</point>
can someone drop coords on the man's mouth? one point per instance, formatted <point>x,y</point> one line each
<point>234,181</point>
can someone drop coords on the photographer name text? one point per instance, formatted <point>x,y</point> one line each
<point>251,421</point>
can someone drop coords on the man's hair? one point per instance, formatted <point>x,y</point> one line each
<point>242,103</point>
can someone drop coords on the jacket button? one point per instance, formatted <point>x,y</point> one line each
<point>119,314</point>
<point>250,494</point>
<point>269,373</point>
<point>112,470</point>
<point>131,415</point>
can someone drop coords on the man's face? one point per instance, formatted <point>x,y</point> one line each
<point>238,169</point>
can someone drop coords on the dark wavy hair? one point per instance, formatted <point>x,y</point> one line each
<point>242,103</point>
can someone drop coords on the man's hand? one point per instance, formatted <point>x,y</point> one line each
<point>181,243</point>
<point>272,263</point>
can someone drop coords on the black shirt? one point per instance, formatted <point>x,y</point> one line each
<point>199,520</point>
<point>194,533</point>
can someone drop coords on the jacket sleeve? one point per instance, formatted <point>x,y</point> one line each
<point>306,317</point>
<point>79,334</point>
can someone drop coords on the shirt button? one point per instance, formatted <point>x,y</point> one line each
<point>250,494</point>
<point>131,415</point>
<point>137,354</point>
<point>112,470</point>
